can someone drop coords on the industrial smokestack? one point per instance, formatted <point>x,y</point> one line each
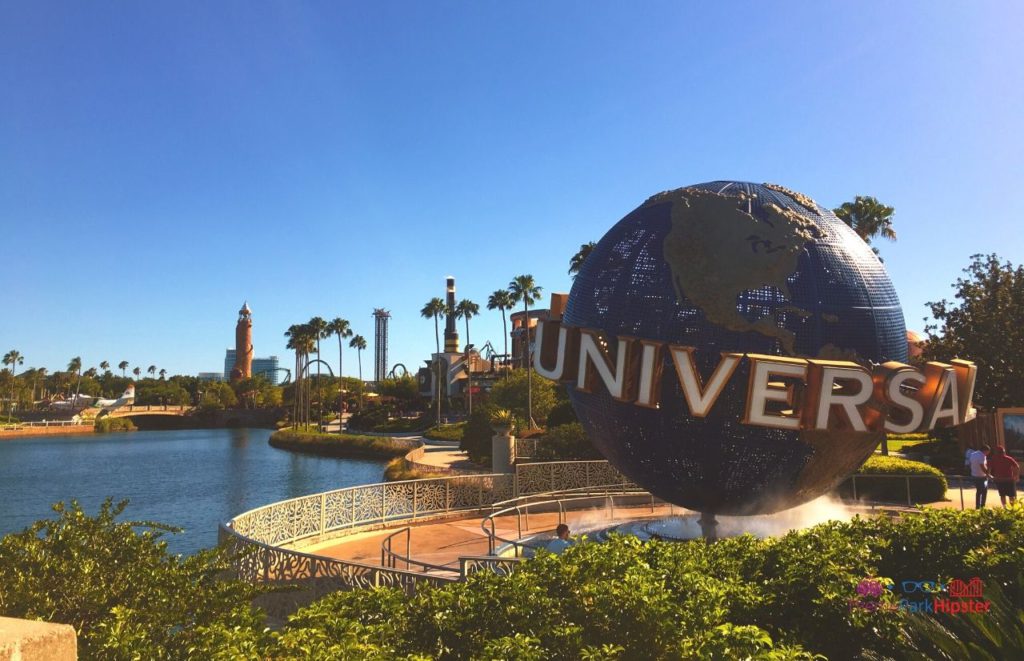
<point>451,336</point>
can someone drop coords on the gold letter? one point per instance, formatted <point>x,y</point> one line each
<point>564,353</point>
<point>593,350</point>
<point>700,398</point>
<point>821,385</point>
<point>760,391</point>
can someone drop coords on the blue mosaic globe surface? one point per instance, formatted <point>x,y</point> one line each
<point>737,267</point>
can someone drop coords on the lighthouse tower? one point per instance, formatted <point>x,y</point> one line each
<point>243,345</point>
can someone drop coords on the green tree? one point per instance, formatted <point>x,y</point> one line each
<point>123,365</point>
<point>467,309</point>
<point>152,371</point>
<point>302,340</point>
<point>115,582</point>
<point>359,344</point>
<point>520,392</point>
<point>502,300</point>
<point>340,328</point>
<point>219,395</point>
<point>984,325</point>
<point>163,374</point>
<point>105,366</point>
<point>523,288</point>
<point>137,372</point>
<point>434,308</point>
<point>13,358</point>
<point>75,367</point>
<point>868,217</point>
<point>576,263</point>
<point>319,327</point>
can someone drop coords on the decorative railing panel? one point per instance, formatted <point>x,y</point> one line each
<point>564,475</point>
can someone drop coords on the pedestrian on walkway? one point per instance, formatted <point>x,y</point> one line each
<point>979,475</point>
<point>1005,472</point>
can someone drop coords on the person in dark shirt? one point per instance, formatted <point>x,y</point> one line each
<point>1005,472</point>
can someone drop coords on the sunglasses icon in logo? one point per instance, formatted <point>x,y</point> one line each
<point>928,587</point>
<point>973,588</point>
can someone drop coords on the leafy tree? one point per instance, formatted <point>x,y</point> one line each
<point>219,395</point>
<point>576,263</point>
<point>403,388</point>
<point>467,309</point>
<point>984,325</point>
<point>868,217</point>
<point>501,300</point>
<point>359,344</point>
<point>566,442</point>
<point>434,308</point>
<point>13,358</point>
<point>523,288</point>
<point>519,392</point>
<point>115,582</point>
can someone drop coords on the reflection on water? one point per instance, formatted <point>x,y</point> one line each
<point>194,479</point>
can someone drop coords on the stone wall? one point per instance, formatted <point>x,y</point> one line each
<point>27,640</point>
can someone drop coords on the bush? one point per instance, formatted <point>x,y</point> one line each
<point>115,582</point>
<point>477,434</point>
<point>562,414</point>
<point>377,419</point>
<point>566,442</point>
<point>104,425</point>
<point>399,469</point>
<point>929,487</point>
<point>451,432</point>
<point>511,394</point>
<point>341,445</point>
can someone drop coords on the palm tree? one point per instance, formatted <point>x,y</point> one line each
<point>163,374</point>
<point>435,307</point>
<point>868,217</point>
<point>339,327</point>
<point>523,288</point>
<point>137,372</point>
<point>123,365</point>
<point>105,366</point>
<point>152,371</point>
<point>75,367</point>
<point>359,343</point>
<point>319,328</point>
<point>576,263</point>
<point>303,340</point>
<point>502,300</point>
<point>40,377</point>
<point>91,372</point>
<point>467,309</point>
<point>13,358</point>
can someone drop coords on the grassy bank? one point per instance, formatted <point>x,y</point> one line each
<point>341,445</point>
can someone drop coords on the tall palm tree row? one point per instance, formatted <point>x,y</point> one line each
<point>302,340</point>
<point>318,326</point>
<point>523,288</point>
<point>359,344</point>
<point>435,307</point>
<point>467,309</point>
<point>13,358</point>
<point>502,300</point>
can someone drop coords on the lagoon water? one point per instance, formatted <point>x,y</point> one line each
<point>193,479</point>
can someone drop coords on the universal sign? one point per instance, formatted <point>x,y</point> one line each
<point>782,392</point>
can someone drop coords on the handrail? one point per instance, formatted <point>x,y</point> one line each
<point>388,558</point>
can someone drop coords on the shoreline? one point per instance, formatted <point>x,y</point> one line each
<point>55,430</point>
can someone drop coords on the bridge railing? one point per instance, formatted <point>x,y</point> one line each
<point>41,423</point>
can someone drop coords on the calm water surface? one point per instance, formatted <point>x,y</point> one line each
<point>193,479</point>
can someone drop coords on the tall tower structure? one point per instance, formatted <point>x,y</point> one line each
<point>380,344</point>
<point>451,336</point>
<point>243,345</point>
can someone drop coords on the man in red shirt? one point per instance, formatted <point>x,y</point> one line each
<point>1005,472</point>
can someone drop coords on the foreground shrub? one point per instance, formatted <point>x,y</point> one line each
<point>341,445</point>
<point>115,582</point>
<point>928,485</point>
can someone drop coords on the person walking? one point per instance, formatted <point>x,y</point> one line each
<point>1005,472</point>
<point>979,475</point>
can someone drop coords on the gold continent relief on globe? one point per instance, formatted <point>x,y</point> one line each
<point>717,250</point>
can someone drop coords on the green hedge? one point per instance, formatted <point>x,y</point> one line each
<point>779,598</point>
<point>928,487</point>
<point>565,443</point>
<point>451,432</point>
<point>104,425</point>
<point>341,445</point>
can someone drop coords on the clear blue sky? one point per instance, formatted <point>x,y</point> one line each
<point>161,162</point>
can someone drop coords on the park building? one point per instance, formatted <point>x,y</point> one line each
<point>265,367</point>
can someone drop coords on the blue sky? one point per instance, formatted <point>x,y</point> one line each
<point>162,162</point>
